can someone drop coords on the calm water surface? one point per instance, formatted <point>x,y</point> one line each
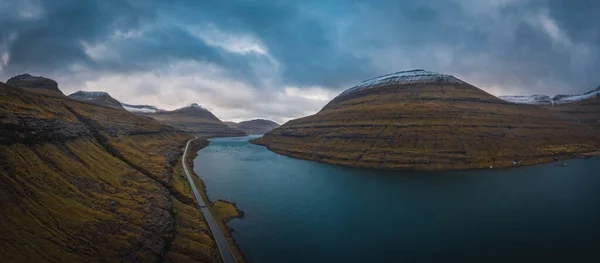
<point>303,211</point>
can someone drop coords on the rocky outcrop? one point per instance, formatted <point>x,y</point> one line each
<point>257,126</point>
<point>96,97</point>
<point>21,122</point>
<point>422,120</point>
<point>198,120</point>
<point>36,84</point>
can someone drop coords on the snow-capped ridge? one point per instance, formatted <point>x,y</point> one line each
<point>88,95</point>
<point>573,98</point>
<point>533,99</point>
<point>403,77</point>
<point>558,99</point>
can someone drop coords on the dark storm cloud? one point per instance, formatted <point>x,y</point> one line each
<point>52,39</point>
<point>526,46</point>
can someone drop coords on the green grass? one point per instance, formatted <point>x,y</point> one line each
<point>115,195</point>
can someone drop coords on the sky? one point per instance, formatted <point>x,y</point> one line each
<point>286,59</point>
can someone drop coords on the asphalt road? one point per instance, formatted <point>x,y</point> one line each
<point>222,244</point>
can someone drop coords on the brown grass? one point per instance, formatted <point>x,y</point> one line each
<point>431,127</point>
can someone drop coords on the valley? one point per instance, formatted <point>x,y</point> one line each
<point>85,177</point>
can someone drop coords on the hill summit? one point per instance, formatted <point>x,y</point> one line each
<point>422,120</point>
<point>256,126</point>
<point>96,97</point>
<point>37,84</point>
<point>198,120</point>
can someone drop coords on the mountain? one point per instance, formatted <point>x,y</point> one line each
<point>257,126</point>
<point>36,84</point>
<point>546,100</point>
<point>196,119</point>
<point>141,109</point>
<point>86,183</point>
<point>96,97</point>
<point>575,98</point>
<point>421,120</point>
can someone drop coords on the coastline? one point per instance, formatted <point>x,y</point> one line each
<point>505,163</point>
<point>194,148</point>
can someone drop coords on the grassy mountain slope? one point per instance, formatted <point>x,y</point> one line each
<point>432,125</point>
<point>585,111</point>
<point>80,182</point>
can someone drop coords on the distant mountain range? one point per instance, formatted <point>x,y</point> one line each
<point>422,120</point>
<point>541,99</point>
<point>257,126</point>
<point>194,118</point>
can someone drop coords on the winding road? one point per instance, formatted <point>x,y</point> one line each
<point>222,244</point>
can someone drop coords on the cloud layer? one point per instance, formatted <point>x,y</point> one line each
<point>285,59</point>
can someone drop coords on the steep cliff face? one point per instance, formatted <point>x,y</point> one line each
<point>257,126</point>
<point>421,120</point>
<point>96,97</point>
<point>35,84</point>
<point>85,183</point>
<point>198,120</point>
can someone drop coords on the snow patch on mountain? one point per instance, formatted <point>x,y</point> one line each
<point>88,95</point>
<point>574,98</point>
<point>544,99</point>
<point>403,77</point>
<point>538,99</point>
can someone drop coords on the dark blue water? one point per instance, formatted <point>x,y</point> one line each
<point>303,211</point>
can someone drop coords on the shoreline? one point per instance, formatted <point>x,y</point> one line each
<point>195,147</point>
<point>526,162</point>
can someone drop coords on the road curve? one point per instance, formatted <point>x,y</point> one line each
<point>222,244</point>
